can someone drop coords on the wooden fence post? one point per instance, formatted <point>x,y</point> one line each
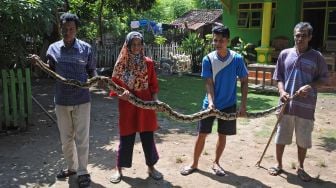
<point>5,97</point>
<point>12,97</point>
<point>28,96</point>
<point>20,95</point>
<point>16,110</point>
<point>1,106</point>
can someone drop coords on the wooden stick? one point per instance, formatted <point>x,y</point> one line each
<point>278,120</point>
<point>274,129</point>
<point>44,109</point>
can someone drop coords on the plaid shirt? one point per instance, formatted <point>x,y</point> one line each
<point>295,71</point>
<point>71,63</point>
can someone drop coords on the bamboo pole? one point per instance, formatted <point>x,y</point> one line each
<point>44,109</point>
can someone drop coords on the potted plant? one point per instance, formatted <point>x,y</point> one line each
<point>247,50</point>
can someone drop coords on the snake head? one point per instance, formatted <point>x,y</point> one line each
<point>33,58</point>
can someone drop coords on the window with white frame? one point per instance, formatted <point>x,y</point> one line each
<point>250,15</point>
<point>332,25</point>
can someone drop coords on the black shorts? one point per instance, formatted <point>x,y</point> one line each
<point>227,127</point>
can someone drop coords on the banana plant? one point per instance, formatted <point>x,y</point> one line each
<point>194,46</point>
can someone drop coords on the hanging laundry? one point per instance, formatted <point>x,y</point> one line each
<point>152,23</point>
<point>159,25</point>
<point>135,24</point>
<point>143,22</point>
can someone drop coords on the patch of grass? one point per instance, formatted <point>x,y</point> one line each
<point>321,163</point>
<point>265,132</point>
<point>186,94</point>
<point>243,121</point>
<point>326,95</point>
<point>328,138</point>
<point>330,133</point>
<point>214,127</point>
<point>179,160</point>
<point>258,101</point>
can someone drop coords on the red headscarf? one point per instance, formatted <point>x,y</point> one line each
<point>131,69</point>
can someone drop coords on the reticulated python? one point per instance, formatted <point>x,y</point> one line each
<point>153,105</point>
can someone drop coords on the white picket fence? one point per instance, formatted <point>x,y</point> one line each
<point>107,55</point>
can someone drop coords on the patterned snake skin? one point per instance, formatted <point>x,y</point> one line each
<point>153,105</point>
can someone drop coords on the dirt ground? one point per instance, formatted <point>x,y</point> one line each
<point>32,158</point>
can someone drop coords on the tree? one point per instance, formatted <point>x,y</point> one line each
<point>179,8</point>
<point>113,15</point>
<point>209,4</point>
<point>24,24</point>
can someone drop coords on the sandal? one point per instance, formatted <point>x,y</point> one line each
<point>303,175</point>
<point>156,175</point>
<point>275,171</point>
<point>218,170</point>
<point>84,181</point>
<point>65,173</point>
<point>187,170</point>
<point>116,178</point>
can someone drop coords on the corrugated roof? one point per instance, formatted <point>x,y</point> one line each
<point>195,26</point>
<point>198,18</point>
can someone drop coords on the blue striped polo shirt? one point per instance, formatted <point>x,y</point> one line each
<point>224,72</point>
<point>71,63</point>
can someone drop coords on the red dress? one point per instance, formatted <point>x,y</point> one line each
<point>133,119</point>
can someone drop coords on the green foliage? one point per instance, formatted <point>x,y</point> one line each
<point>168,10</point>
<point>23,23</point>
<point>160,12</point>
<point>179,8</point>
<point>32,21</point>
<point>208,47</point>
<point>209,4</point>
<point>87,12</point>
<point>160,40</point>
<point>193,45</point>
<point>120,6</point>
<point>117,15</point>
<point>107,16</point>
<point>247,50</point>
<point>198,48</point>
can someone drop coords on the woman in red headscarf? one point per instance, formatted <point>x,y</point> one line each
<point>135,72</point>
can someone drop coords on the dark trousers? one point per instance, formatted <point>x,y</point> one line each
<point>125,152</point>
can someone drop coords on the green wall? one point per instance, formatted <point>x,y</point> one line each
<point>287,15</point>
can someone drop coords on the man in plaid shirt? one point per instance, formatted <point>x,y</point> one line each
<point>73,59</point>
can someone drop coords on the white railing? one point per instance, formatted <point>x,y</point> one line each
<point>107,55</point>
